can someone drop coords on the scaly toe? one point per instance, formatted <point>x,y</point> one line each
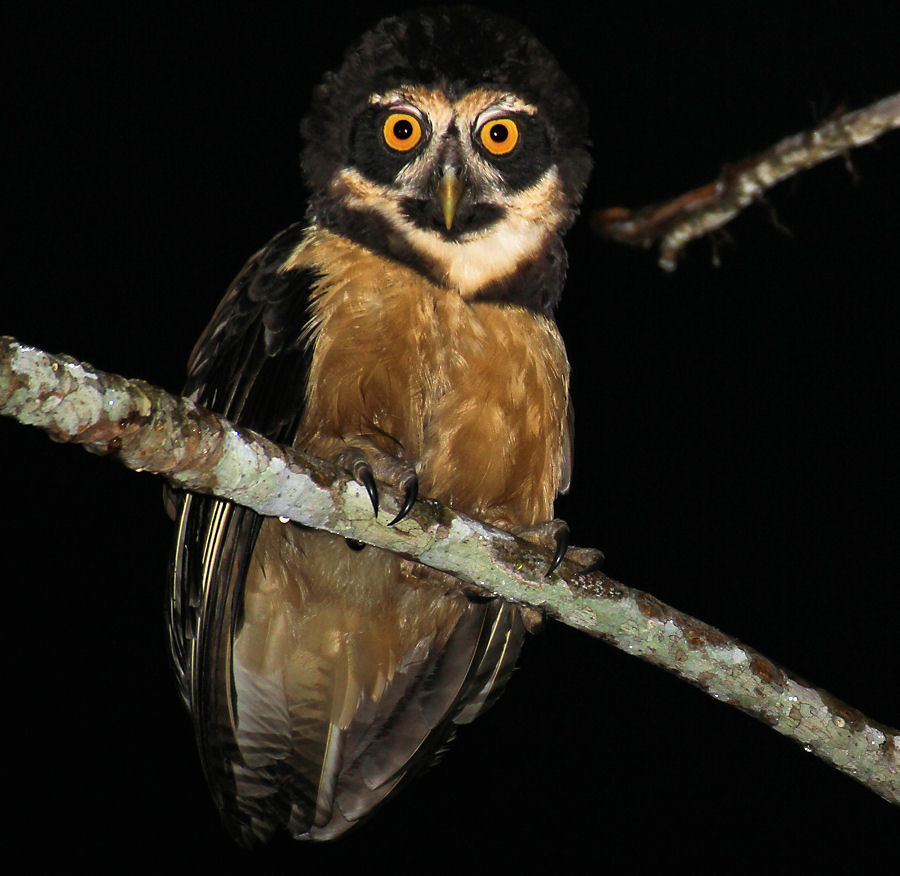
<point>553,535</point>
<point>355,463</point>
<point>589,558</point>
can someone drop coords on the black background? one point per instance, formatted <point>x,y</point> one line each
<point>735,451</point>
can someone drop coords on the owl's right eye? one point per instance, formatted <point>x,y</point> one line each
<point>402,131</point>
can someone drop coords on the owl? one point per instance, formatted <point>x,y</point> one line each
<point>404,330</point>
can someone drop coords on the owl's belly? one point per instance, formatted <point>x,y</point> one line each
<point>473,394</point>
<point>494,438</point>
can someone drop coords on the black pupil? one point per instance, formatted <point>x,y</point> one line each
<point>498,133</point>
<point>403,129</point>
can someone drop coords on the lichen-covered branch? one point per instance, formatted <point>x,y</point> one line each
<point>194,449</point>
<point>698,212</point>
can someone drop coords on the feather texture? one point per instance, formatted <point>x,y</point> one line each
<point>320,678</point>
<point>411,334</point>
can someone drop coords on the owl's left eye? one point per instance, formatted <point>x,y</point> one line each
<point>402,131</point>
<point>499,136</point>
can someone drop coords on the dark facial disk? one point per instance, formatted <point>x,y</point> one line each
<point>370,152</point>
<point>457,49</point>
<point>517,145</point>
<point>451,141</point>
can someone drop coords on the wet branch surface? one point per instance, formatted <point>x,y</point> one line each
<point>147,429</point>
<point>703,210</point>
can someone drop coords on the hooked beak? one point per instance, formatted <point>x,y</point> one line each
<point>449,190</point>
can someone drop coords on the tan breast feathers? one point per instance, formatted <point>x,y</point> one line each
<point>473,393</point>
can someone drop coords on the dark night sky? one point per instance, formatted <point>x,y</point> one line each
<point>735,450</point>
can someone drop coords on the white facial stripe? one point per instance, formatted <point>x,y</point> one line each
<point>473,261</point>
<point>470,265</point>
<point>481,100</point>
<point>478,105</point>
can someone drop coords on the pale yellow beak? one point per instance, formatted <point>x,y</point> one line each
<point>449,190</point>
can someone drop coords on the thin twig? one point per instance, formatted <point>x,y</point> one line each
<point>195,449</point>
<point>700,211</point>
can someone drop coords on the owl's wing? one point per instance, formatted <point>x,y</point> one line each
<point>250,365</point>
<point>270,758</point>
<point>391,737</point>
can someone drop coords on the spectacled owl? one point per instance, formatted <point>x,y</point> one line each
<point>404,329</point>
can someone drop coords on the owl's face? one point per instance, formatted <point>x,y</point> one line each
<point>449,140</point>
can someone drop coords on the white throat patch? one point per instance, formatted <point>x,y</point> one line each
<point>482,257</point>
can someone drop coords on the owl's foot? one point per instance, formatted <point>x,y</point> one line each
<point>554,535</point>
<point>367,463</point>
<point>591,559</point>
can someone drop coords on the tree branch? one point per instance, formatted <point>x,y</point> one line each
<point>698,212</point>
<point>197,450</point>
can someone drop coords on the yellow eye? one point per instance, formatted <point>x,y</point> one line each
<point>402,131</point>
<point>499,136</point>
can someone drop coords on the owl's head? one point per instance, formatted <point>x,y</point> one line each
<point>451,140</point>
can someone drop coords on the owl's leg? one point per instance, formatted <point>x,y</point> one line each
<point>554,535</point>
<point>363,459</point>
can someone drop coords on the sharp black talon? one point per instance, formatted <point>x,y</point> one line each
<point>355,545</point>
<point>409,499</point>
<point>367,479</point>
<point>562,545</point>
